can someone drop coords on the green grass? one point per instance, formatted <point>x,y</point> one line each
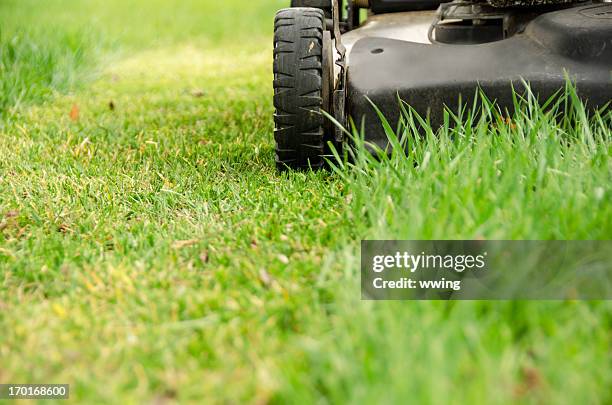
<point>150,252</point>
<point>32,66</point>
<point>542,174</point>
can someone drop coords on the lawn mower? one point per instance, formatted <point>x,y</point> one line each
<point>345,57</point>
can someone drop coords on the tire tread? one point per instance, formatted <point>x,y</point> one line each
<point>298,71</point>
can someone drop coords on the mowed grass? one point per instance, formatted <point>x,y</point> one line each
<point>150,252</point>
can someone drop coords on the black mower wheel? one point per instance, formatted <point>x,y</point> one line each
<point>300,88</point>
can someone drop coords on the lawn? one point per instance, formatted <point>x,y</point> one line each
<point>150,252</point>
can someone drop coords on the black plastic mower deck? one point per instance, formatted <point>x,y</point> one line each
<point>575,42</point>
